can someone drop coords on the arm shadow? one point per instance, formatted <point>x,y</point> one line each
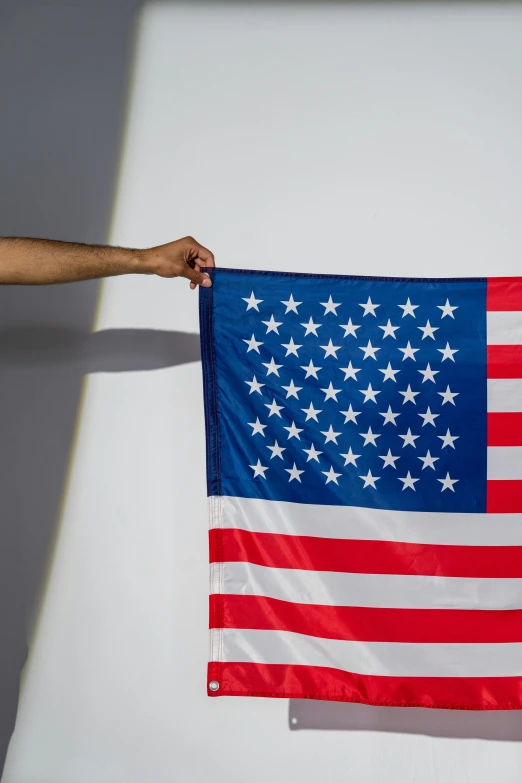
<point>109,350</point>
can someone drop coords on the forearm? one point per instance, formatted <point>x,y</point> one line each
<point>42,261</point>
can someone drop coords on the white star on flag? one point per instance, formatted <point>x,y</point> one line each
<point>369,350</point>
<point>350,371</point>
<point>369,437</point>
<point>259,470</point>
<point>274,408</point>
<point>429,374</point>
<point>293,431</point>
<point>330,393</point>
<point>389,373</point>
<point>292,390</point>
<point>350,458</point>
<point>369,393</point>
<point>294,473</point>
<point>330,349</point>
<point>330,435</point>
<point>272,325</point>
<point>389,460</point>
<point>253,344</point>
<point>409,439</point>
<point>429,417</point>
<point>369,307</point>
<point>428,330</point>
<point>408,308</point>
<point>331,475</point>
<point>369,480</point>
<point>272,367</point>
<point>409,395</point>
<point>350,414</point>
<point>389,416</point>
<point>252,302</point>
<point>389,330</point>
<point>277,450</point>
<point>447,483</point>
<point>311,413</point>
<point>447,309</point>
<point>311,328</point>
<point>409,352</point>
<point>257,427</point>
<point>312,453</point>
<point>447,353</point>
<point>291,306</point>
<point>428,460</point>
<point>448,439</point>
<point>255,386</point>
<point>330,306</point>
<point>311,370</point>
<point>349,328</point>
<point>448,396</point>
<point>408,482</point>
<point>291,348</point>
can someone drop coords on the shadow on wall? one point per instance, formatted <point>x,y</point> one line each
<point>64,79</point>
<point>459,724</point>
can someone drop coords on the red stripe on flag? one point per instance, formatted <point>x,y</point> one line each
<point>504,361</point>
<point>366,557</point>
<point>314,682</point>
<point>366,624</point>
<point>504,429</point>
<point>504,293</point>
<point>504,497</point>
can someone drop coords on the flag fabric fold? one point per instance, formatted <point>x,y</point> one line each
<point>364,473</point>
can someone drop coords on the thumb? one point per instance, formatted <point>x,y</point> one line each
<point>197,277</point>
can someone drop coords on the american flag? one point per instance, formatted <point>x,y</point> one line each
<point>364,466</point>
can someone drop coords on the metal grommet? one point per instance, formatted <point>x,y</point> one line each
<point>213,685</point>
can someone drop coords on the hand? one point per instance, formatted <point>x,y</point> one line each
<point>182,258</point>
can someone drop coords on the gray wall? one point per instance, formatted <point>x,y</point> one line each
<point>64,78</point>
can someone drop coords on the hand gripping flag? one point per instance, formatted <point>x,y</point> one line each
<point>364,465</point>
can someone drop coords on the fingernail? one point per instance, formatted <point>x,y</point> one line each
<point>207,282</point>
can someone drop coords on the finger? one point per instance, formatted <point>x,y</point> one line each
<point>192,264</point>
<point>198,278</point>
<point>204,255</point>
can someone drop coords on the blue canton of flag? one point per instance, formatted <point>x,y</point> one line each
<point>348,391</point>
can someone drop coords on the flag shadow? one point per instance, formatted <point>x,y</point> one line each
<point>307,714</point>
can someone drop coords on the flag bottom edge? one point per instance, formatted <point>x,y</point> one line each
<point>322,684</point>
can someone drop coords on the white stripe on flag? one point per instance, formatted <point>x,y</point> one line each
<point>331,588</point>
<point>369,524</point>
<point>395,659</point>
<point>504,328</point>
<point>504,395</point>
<point>505,462</point>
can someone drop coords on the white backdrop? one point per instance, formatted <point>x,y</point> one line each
<point>352,138</point>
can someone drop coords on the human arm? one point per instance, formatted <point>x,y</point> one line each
<point>44,261</point>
